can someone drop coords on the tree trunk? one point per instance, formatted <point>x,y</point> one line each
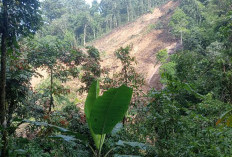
<point>149,5</point>
<point>126,83</point>
<point>94,33</point>
<point>3,79</point>
<point>128,13</point>
<point>111,22</point>
<point>3,66</point>
<point>141,8</point>
<point>51,92</point>
<point>181,38</point>
<point>84,40</point>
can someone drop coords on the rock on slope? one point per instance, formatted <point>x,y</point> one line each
<point>145,39</point>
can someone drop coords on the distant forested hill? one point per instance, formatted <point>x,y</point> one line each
<point>75,19</point>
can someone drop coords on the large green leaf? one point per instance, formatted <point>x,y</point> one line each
<point>98,139</point>
<point>90,100</point>
<point>118,98</point>
<point>109,109</point>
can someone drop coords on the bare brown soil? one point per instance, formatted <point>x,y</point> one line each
<point>37,79</point>
<point>146,42</point>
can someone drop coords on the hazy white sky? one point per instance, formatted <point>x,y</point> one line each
<point>90,1</point>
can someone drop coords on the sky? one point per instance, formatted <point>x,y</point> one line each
<point>90,1</point>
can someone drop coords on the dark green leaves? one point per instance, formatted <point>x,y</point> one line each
<point>60,129</point>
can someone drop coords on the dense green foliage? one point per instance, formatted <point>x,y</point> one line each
<point>190,116</point>
<point>83,23</point>
<point>197,84</point>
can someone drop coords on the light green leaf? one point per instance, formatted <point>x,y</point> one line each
<point>91,98</point>
<point>98,139</point>
<point>109,109</point>
<point>113,102</point>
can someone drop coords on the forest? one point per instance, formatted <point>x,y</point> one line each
<point>116,78</point>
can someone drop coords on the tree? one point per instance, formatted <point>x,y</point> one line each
<point>127,76</point>
<point>91,68</point>
<point>53,9</point>
<point>18,19</point>
<point>129,11</point>
<point>95,8</point>
<point>46,56</point>
<point>194,9</point>
<point>87,23</point>
<point>178,23</point>
<point>60,60</point>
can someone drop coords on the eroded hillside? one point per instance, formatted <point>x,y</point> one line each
<point>146,40</point>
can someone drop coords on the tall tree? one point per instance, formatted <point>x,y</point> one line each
<point>178,23</point>
<point>18,19</point>
<point>53,9</point>
<point>4,32</point>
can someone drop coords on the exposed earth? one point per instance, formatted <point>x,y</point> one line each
<point>146,40</point>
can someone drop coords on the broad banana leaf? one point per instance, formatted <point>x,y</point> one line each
<point>98,139</point>
<point>90,100</point>
<point>109,109</point>
<point>104,112</point>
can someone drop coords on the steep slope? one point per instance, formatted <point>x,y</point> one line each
<point>146,42</point>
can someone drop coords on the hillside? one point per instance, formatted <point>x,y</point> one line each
<point>146,41</point>
<point>71,78</point>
